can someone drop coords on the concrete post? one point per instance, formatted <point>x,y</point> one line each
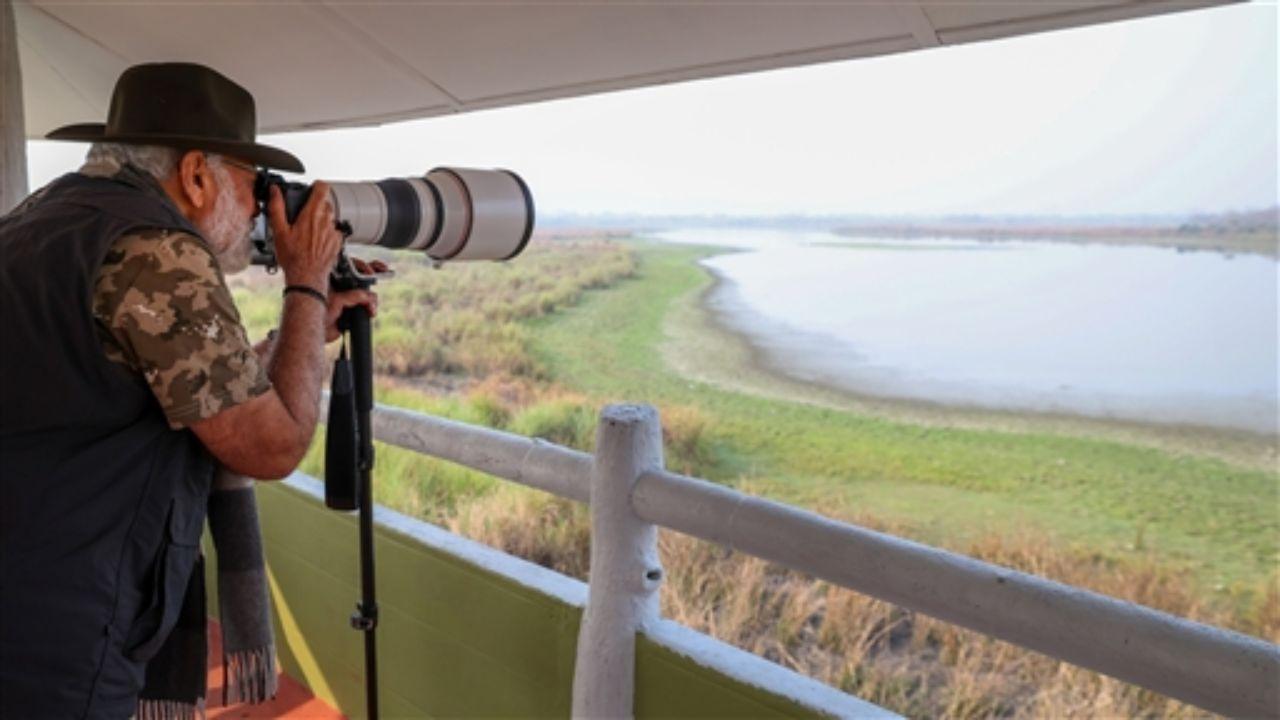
<point>13,134</point>
<point>625,569</point>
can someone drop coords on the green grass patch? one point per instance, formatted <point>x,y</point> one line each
<point>945,485</point>
<point>463,318</point>
<point>537,346</point>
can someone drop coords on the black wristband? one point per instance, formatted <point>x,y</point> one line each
<point>307,290</point>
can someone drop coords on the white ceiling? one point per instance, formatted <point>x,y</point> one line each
<point>328,63</point>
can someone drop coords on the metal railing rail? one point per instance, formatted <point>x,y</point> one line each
<point>1215,669</point>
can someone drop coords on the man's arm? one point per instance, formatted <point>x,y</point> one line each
<point>266,347</point>
<point>266,436</point>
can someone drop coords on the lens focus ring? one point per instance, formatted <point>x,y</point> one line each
<point>404,212</point>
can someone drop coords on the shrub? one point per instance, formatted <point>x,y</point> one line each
<point>484,408</point>
<point>564,422</point>
<point>683,439</point>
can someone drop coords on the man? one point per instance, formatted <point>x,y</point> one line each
<point>126,376</point>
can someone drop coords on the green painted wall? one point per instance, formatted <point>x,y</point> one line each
<point>454,640</point>
<point>668,685</point>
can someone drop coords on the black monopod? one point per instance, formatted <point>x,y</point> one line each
<point>348,482</point>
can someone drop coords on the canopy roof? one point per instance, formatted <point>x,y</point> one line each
<point>359,62</point>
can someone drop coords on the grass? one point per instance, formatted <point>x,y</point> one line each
<point>943,485</point>
<point>899,659</point>
<point>463,319</point>
<point>1189,534</point>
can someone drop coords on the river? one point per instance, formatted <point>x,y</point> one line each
<point>1136,333</point>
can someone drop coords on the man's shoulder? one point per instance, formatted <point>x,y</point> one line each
<point>161,252</point>
<point>167,313</point>
<point>158,265</point>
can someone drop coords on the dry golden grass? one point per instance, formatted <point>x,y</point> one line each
<point>902,660</point>
<point>465,318</point>
<point>683,438</point>
<point>550,531</point>
<point>461,334</point>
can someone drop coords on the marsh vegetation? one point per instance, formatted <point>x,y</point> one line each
<point>538,346</point>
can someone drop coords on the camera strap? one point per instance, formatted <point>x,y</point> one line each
<point>341,456</point>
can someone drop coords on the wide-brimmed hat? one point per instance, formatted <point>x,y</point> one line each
<point>185,106</point>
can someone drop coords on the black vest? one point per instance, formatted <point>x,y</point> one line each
<point>101,503</point>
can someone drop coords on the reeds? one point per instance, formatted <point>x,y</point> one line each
<point>456,343</point>
<point>899,659</point>
<point>466,319</point>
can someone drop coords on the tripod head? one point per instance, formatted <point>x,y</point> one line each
<point>347,275</point>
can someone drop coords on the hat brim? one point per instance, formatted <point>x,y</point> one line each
<point>264,155</point>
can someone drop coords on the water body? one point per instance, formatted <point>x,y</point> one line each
<point>1136,333</point>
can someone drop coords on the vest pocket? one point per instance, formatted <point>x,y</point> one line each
<point>169,577</point>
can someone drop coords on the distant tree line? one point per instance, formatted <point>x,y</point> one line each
<point>1266,220</point>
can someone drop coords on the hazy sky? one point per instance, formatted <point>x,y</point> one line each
<point>1159,115</point>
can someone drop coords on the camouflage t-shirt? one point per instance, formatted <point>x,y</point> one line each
<point>163,309</point>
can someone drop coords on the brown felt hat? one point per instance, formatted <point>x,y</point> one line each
<point>185,106</point>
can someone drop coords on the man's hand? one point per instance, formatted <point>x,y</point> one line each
<point>371,267</point>
<point>266,436</point>
<point>340,301</point>
<point>308,249</point>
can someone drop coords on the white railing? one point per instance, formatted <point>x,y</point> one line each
<point>630,494</point>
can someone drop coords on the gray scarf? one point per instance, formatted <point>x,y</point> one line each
<point>175,683</point>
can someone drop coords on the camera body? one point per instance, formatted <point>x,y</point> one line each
<point>295,194</point>
<point>450,214</point>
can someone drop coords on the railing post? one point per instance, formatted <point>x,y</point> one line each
<point>13,140</point>
<point>625,568</point>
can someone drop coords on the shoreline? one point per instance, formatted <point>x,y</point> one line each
<point>701,344</point>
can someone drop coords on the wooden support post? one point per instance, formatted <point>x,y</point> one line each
<point>625,568</point>
<point>13,135</point>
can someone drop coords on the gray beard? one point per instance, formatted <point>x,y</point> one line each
<point>227,233</point>
<point>237,257</point>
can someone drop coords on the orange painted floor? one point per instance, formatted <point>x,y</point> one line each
<point>293,700</point>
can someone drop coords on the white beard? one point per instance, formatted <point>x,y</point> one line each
<point>226,231</point>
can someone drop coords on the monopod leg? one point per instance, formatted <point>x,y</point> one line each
<point>356,321</point>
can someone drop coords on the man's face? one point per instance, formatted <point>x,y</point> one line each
<point>228,226</point>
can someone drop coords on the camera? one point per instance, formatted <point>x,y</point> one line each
<point>450,214</point>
